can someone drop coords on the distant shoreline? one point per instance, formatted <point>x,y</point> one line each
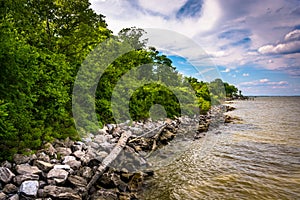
<point>273,96</point>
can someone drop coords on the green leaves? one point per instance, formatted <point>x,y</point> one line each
<point>43,43</point>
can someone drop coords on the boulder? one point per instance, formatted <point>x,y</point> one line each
<point>58,175</point>
<point>136,181</point>
<point>77,181</point>
<point>110,128</point>
<point>60,192</point>
<point>27,169</point>
<point>50,150</point>
<point>63,151</point>
<point>68,158</point>
<point>107,146</point>
<point>6,175</point>
<point>26,177</point>
<point>14,197</point>
<point>44,166</point>
<point>78,146</point>
<point>105,195</point>
<point>229,108</point>
<point>21,159</point>
<point>6,164</point>
<point>9,189</point>
<point>65,167</point>
<point>74,164</point>
<point>42,156</point>
<point>42,184</point>
<point>94,145</point>
<point>100,139</point>
<point>85,172</point>
<point>29,188</point>
<point>2,196</point>
<point>100,155</point>
<point>79,154</point>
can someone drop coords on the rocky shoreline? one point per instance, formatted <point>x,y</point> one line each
<point>81,170</point>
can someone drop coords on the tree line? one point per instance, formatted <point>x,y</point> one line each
<point>42,46</point>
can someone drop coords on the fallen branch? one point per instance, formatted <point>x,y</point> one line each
<point>134,139</point>
<point>110,158</point>
<point>155,138</point>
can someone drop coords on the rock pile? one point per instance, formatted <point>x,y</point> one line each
<point>64,169</point>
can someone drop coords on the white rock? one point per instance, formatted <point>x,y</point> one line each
<point>58,175</point>
<point>6,175</point>
<point>27,169</point>
<point>29,188</point>
<point>65,167</point>
<point>68,158</point>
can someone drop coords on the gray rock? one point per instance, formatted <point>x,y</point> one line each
<point>91,153</point>
<point>6,164</point>
<point>87,139</point>
<point>65,167</point>
<point>14,197</point>
<point>74,164</point>
<point>100,139</point>
<point>9,189</point>
<point>79,154</point>
<point>60,192</point>
<point>50,150</point>
<point>2,196</point>
<point>21,159</point>
<point>6,175</point>
<point>110,128</point>
<point>77,181</point>
<point>135,130</point>
<point>42,184</point>
<point>44,166</point>
<point>63,151</point>
<point>68,142</point>
<point>42,156</point>
<point>27,169</point>
<point>26,177</point>
<point>101,155</point>
<point>58,175</point>
<point>94,145</point>
<point>105,195</point>
<point>68,158</point>
<point>29,188</point>
<point>107,146</point>
<point>85,172</point>
<point>78,146</point>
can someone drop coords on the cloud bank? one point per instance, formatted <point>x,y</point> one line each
<point>239,35</point>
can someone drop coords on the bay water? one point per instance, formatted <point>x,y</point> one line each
<point>255,158</point>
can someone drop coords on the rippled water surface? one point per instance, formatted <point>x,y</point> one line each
<point>258,158</point>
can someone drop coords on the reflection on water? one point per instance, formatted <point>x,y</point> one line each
<point>258,159</point>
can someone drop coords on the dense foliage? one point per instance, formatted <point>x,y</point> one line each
<point>42,46</point>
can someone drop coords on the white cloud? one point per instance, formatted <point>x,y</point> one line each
<point>264,80</point>
<point>165,7</point>
<point>245,74</point>
<point>282,48</point>
<point>294,35</point>
<point>226,70</point>
<point>267,25</point>
<point>124,13</point>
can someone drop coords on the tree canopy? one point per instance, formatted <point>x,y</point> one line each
<point>42,46</point>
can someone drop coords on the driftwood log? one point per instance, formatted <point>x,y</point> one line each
<point>144,134</point>
<point>110,158</point>
<point>155,139</point>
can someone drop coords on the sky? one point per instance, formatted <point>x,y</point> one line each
<point>252,44</point>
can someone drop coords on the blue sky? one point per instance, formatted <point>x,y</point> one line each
<point>253,44</point>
